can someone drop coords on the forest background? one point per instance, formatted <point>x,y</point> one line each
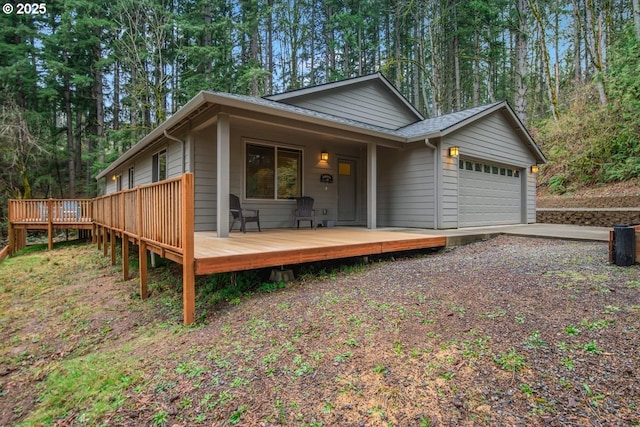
<point>82,80</point>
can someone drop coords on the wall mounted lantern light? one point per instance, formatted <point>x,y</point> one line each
<point>534,169</point>
<point>324,156</point>
<point>454,151</point>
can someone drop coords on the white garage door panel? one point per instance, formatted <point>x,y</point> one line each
<point>488,199</point>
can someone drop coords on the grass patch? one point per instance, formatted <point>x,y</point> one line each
<point>96,383</point>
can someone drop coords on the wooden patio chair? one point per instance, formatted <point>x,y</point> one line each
<point>242,215</point>
<point>304,212</point>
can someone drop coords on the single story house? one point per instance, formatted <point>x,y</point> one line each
<point>357,146</point>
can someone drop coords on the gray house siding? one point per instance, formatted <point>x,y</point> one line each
<point>449,190</point>
<point>368,102</point>
<point>175,159</point>
<point>205,180</point>
<point>529,180</point>
<point>405,188</point>
<point>143,170</point>
<point>493,140</point>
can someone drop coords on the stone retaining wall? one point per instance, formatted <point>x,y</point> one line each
<point>600,218</point>
<point>590,202</point>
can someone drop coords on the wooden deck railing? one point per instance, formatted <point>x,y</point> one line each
<point>152,213</point>
<point>56,211</point>
<point>157,217</point>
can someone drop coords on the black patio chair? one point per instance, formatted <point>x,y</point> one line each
<point>304,212</point>
<point>242,215</point>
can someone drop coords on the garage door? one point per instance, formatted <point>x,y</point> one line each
<point>488,194</point>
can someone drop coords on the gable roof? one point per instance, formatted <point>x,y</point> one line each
<point>443,125</point>
<point>370,98</point>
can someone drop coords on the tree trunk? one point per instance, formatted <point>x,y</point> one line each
<point>577,45</point>
<point>551,93</point>
<point>595,44</point>
<point>636,17</point>
<point>476,68</point>
<point>521,61</point>
<point>71,164</point>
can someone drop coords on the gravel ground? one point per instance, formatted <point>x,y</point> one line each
<point>512,331</point>
<point>508,332</point>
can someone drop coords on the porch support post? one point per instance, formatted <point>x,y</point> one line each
<point>188,264</point>
<point>223,171</point>
<point>372,185</point>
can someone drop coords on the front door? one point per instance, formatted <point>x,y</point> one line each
<point>346,190</point>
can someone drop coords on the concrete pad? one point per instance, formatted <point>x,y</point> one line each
<point>554,231</point>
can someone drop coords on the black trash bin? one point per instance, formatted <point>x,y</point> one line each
<point>624,237</point>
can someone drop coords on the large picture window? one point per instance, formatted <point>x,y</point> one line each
<point>273,172</point>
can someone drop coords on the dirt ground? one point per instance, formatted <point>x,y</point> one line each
<point>508,332</point>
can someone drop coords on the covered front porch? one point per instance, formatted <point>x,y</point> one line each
<point>269,158</point>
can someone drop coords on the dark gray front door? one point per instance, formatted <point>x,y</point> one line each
<point>346,190</point>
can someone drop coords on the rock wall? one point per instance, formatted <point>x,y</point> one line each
<point>597,218</point>
<point>589,202</point>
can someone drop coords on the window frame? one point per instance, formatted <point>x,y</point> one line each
<point>275,146</point>
<point>131,177</point>
<point>155,166</point>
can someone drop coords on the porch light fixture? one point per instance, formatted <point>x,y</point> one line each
<point>114,177</point>
<point>534,169</point>
<point>324,156</point>
<point>454,151</point>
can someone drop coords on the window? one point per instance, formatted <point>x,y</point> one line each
<point>478,167</point>
<point>461,164</point>
<point>503,171</point>
<point>273,172</point>
<point>132,177</point>
<point>159,166</point>
<point>119,183</point>
<point>468,166</point>
<point>487,169</point>
<point>494,170</point>
<point>509,172</point>
<point>516,174</point>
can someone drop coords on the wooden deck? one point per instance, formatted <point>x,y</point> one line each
<point>271,248</point>
<point>159,218</point>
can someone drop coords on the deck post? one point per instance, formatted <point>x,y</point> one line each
<point>50,224</point>
<point>12,237</point>
<point>23,238</point>
<point>112,237</point>
<point>104,241</point>
<point>142,265</point>
<point>125,258</point>
<point>188,268</point>
<point>223,171</point>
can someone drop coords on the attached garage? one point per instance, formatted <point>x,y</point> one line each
<point>488,194</point>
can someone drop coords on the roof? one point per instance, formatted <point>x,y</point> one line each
<point>424,129</point>
<point>378,77</point>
